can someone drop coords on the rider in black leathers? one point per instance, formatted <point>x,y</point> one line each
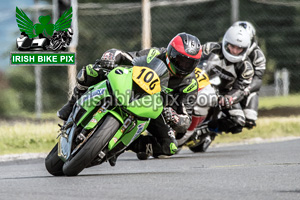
<point>181,56</point>
<point>258,60</point>
<point>235,71</point>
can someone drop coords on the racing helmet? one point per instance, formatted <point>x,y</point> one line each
<point>248,26</point>
<point>237,36</point>
<point>183,54</point>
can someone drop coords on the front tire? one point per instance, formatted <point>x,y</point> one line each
<point>92,147</point>
<point>53,163</point>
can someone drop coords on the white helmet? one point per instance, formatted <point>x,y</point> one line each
<point>248,26</point>
<point>236,36</point>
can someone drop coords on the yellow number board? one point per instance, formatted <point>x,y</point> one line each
<point>147,79</point>
<point>202,78</point>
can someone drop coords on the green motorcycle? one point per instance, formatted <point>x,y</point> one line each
<point>109,117</point>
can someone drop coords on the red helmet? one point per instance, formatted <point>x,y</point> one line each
<point>183,54</point>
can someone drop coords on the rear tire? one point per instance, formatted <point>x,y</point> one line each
<point>203,146</point>
<point>92,147</point>
<point>53,163</point>
<point>199,148</point>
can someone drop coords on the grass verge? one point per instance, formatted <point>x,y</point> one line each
<point>27,137</point>
<point>30,137</point>
<point>275,127</point>
<point>279,101</point>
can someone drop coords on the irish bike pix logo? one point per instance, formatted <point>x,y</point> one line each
<point>42,43</point>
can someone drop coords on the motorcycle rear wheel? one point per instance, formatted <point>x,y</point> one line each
<point>53,163</point>
<point>90,150</point>
<point>198,148</point>
<point>203,144</point>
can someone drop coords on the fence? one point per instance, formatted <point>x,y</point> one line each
<point>119,25</point>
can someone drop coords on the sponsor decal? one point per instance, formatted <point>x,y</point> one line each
<point>94,121</point>
<point>140,128</point>
<point>191,87</point>
<point>152,53</point>
<point>98,92</point>
<point>115,139</point>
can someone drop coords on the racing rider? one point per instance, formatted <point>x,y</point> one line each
<point>181,56</point>
<point>229,60</point>
<point>258,60</point>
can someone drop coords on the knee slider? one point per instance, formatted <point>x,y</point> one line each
<point>169,147</point>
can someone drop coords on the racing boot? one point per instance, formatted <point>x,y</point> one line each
<point>206,142</point>
<point>161,148</point>
<point>142,147</point>
<point>250,124</point>
<point>66,110</point>
<point>144,155</point>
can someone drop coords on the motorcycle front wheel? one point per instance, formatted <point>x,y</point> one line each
<point>90,150</point>
<point>53,163</point>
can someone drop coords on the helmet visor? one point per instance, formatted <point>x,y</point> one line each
<point>235,50</point>
<point>184,65</point>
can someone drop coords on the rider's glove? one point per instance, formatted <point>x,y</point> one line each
<point>225,101</point>
<point>170,115</point>
<point>210,47</point>
<point>205,49</point>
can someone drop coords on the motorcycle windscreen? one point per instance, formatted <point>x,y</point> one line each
<point>120,80</point>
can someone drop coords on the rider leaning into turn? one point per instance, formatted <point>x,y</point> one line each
<point>181,57</point>
<point>258,60</point>
<point>235,70</point>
